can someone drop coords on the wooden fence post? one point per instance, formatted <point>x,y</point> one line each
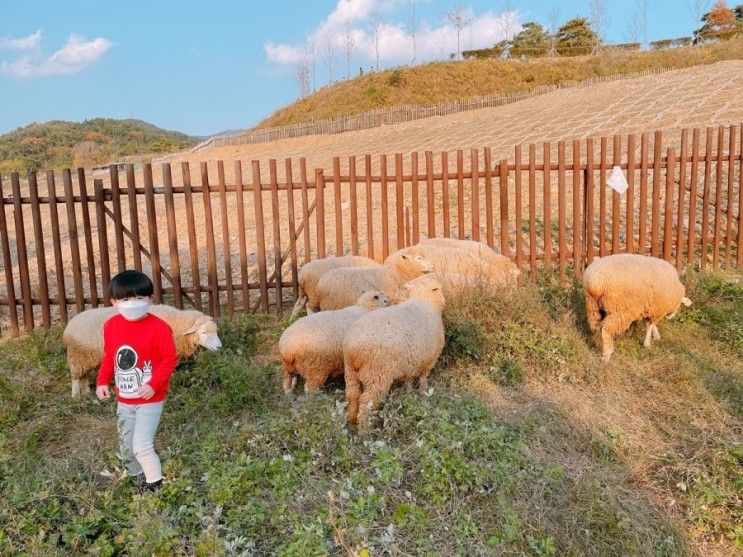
<point>503,180</point>
<point>260,234</point>
<point>8,265</point>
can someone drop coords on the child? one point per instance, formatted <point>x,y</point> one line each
<point>139,351</point>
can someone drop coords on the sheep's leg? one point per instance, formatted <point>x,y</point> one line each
<point>75,388</point>
<point>408,386</point>
<point>353,392</point>
<point>301,301</point>
<point>370,400</point>
<point>84,386</point>
<point>614,324</point>
<point>423,383</point>
<point>593,312</point>
<point>314,383</point>
<point>648,334</point>
<point>287,372</point>
<point>656,333</point>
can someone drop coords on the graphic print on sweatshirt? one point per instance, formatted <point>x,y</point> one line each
<point>129,377</point>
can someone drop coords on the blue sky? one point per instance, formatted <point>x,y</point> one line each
<point>203,67</point>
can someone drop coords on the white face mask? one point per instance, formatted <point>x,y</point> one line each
<point>132,310</point>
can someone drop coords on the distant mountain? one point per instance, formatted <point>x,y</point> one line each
<point>60,144</point>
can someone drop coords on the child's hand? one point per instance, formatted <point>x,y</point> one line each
<point>145,391</point>
<point>103,392</point>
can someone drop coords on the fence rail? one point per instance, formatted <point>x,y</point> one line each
<point>231,237</point>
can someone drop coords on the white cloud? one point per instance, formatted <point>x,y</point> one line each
<point>32,42</point>
<point>76,55</point>
<point>395,41</point>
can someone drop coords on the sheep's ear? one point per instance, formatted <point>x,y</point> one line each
<point>192,329</point>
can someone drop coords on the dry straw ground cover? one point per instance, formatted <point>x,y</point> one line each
<point>526,445</point>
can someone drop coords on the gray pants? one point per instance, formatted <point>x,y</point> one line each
<point>137,426</point>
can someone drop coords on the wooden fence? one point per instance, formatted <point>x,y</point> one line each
<point>230,237</point>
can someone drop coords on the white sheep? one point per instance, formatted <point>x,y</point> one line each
<point>478,248</point>
<point>341,288</point>
<point>398,343</point>
<point>495,267</point>
<point>310,274</point>
<point>312,346</point>
<point>623,288</point>
<point>83,337</point>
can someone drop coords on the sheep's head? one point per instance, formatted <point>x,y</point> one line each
<point>426,288</point>
<point>412,265</point>
<point>373,300</point>
<point>204,332</point>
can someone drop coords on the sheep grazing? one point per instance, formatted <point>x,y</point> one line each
<point>341,288</point>
<point>310,274</point>
<point>623,288</point>
<point>480,249</point>
<point>83,337</point>
<point>398,343</point>
<point>495,267</point>
<point>312,347</point>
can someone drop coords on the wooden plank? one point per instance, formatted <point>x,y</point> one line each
<point>113,172</point>
<point>385,215</point>
<point>489,233</point>
<point>430,197</point>
<point>175,261</point>
<point>87,231</point>
<point>681,201</point>
<point>517,199</point>
<point>193,247</point>
<point>154,244</point>
<point>630,215</point>
<point>226,245</point>
<point>133,216</point>
<point>602,197</point>
<point>399,202</point>
<point>561,212</point>
<point>445,193</point>
<point>293,225</point>
<point>369,207</point>
<point>668,209</point>
<point>460,194</point>
<point>644,162</point>
<point>414,193</point>
<point>33,189</point>
<point>21,253</point>
<point>354,204</point>
<point>338,201</point>
<point>691,223</point>
<point>616,198</point>
<point>739,258</point>
<point>8,266</point>
<point>77,273</point>
<point>718,198</point>
<point>577,206</point>
<point>655,216</point>
<point>278,261</point>
<point>100,217</point>
<point>503,178</point>
<point>475,201</point>
<point>547,205</point>
<point>305,209</point>
<point>211,248</point>
<point>240,208</point>
<point>533,212</point>
<point>407,227</point>
<point>260,237</point>
<point>57,245</point>
<point>729,203</point>
<point>590,209</point>
<point>705,197</point>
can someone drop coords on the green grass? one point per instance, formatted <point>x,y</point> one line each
<point>526,445</point>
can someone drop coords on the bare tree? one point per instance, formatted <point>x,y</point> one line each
<point>599,20</point>
<point>460,17</point>
<point>698,8</point>
<point>328,46</point>
<point>312,49</point>
<point>553,24</point>
<point>412,27</point>
<point>375,29</point>
<point>633,32</point>
<point>302,74</point>
<point>349,45</point>
<point>637,25</point>
<point>508,20</point>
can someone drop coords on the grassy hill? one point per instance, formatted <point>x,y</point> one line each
<point>441,81</point>
<point>60,144</point>
<point>525,445</point>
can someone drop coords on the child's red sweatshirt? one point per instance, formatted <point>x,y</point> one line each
<point>135,353</point>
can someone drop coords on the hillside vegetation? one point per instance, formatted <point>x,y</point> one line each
<point>442,81</point>
<point>60,144</point>
<point>526,444</point>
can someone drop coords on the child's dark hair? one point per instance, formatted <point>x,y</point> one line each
<point>128,284</point>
